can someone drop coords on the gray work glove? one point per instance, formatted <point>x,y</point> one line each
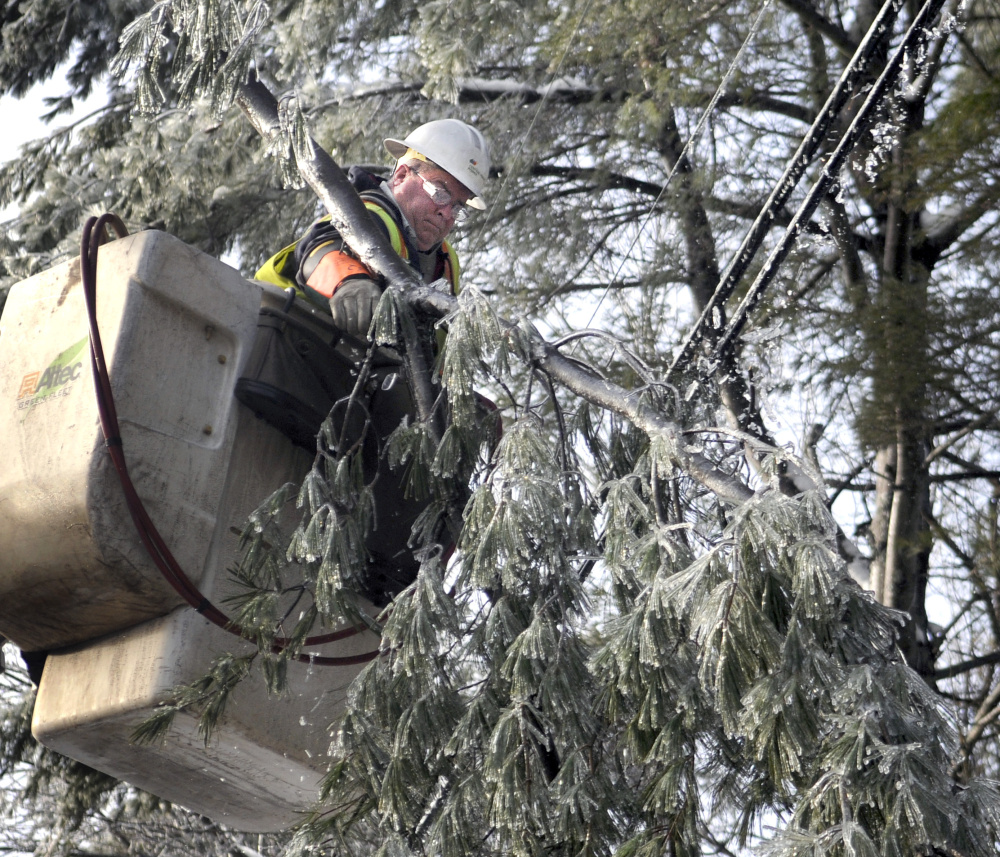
<point>353,305</point>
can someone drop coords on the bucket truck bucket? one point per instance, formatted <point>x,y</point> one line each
<point>262,767</point>
<point>177,326</point>
<point>76,581</point>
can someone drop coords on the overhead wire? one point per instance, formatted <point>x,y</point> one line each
<point>917,31</point>
<point>711,316</point>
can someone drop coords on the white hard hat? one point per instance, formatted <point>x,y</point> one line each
<point>457,148</point>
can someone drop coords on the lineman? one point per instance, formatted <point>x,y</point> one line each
<point>441,170</point>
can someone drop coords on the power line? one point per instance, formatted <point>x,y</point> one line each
<point>710,321</point>
<point>917,32</point>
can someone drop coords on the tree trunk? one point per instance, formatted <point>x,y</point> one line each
<point>902,541</point>
<point>901,523</point>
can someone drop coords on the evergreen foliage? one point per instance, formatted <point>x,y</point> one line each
<point>648,641</point>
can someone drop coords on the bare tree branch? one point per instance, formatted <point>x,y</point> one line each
<point>966,666</point>
<point>834,32</point>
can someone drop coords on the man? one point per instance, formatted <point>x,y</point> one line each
<point>441,170</point>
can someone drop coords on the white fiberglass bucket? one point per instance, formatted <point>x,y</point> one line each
<point>75,580</point>
<point>176,327</point>
<point>263,765</point>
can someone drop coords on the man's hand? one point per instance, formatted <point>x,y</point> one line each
<point>353,305</point>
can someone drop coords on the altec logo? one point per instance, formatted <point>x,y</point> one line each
<point>55,381</point>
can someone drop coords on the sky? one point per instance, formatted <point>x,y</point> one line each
<point>20,118</point>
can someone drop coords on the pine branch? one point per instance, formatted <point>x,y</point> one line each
<point>584,382</point>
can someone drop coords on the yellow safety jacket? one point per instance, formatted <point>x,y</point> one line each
<point>281,268</point>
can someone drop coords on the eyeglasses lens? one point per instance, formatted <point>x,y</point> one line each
<point>442,196</point>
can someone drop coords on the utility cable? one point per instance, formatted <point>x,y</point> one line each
<point>711,316</point>
<point>917,31</point>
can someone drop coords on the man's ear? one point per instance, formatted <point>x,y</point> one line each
<point>398,175</point>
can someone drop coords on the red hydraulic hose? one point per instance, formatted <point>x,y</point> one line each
<point>95,234</point>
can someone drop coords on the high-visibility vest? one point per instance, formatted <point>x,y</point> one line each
<point>280,268</point>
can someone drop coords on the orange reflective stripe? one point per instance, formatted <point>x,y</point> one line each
<point>345,266</point>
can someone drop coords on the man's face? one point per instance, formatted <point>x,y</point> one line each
<point>430,221</point>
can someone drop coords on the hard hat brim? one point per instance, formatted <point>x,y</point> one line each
<point>396,148</point>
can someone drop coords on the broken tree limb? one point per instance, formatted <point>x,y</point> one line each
<point>610,396</point>
<point>629,404</point>
<point>351,219</point>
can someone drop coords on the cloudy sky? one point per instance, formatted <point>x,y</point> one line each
<point>20,117</point>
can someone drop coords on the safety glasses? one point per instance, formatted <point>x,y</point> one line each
<point>440,195</point>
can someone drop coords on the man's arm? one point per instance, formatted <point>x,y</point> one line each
<point>328,270</point>
<point>352,299</point>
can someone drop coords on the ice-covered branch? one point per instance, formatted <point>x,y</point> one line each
<point>331,186</point>
<point>612,397</point>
